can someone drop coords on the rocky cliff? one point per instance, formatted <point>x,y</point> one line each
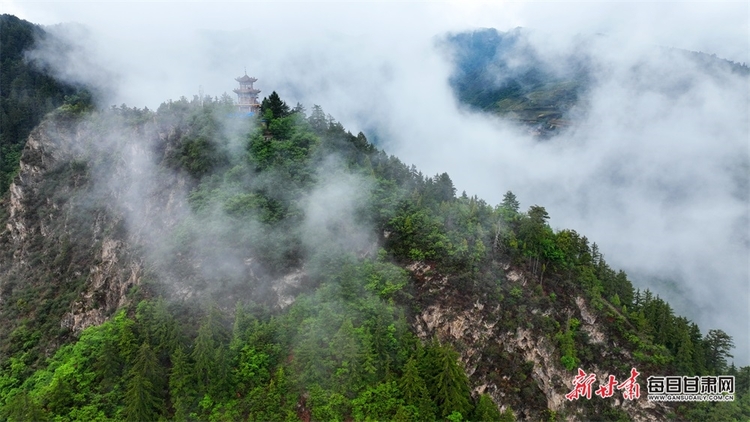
<point>65,238</point>
<point>507,351</point>
<point>94,217</point>
<point>100,217</point>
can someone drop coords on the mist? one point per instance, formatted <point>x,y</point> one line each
<point>655,172</point>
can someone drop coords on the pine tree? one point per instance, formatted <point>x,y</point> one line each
<point>510,203</point>
<point>20,408</point>
<point>243,322</point>
<point>717,346</point>
<point>277,107</point>
<point>348,356</point>
<point>142,402</point>
<point>507,415</point>
<point>203,356</point>
<point>450,386</point>
<point>164,331</point>
<point>108,363</point>
<point>486,409</point>
<point>299,109</point>
<point>318,120</point>
<point>414,390</point>
<point>276,394</point>
<point>683,355</point>
<point>699,353</point>
<point>181,385</point>
<point>220,380</point>
<point>125,337</point>
<point>442,188</point>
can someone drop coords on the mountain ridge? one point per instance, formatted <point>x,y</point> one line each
<point>496,293</point>
<point>282,268</point>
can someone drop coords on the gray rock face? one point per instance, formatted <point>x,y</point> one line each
<point>491,353</point>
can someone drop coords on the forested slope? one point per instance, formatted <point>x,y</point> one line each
<point>188,264</point>
<point>27,93</point>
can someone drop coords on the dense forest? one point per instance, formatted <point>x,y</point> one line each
<point>302,195</point>
<point>27,93</point>
<point>344,348</point>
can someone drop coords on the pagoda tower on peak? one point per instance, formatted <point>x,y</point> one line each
<point>247,96</point>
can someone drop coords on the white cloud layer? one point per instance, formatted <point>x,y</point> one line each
<point>658,179</point>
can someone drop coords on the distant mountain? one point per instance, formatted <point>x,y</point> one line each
<point>504,74</point>
<point>500,72</point>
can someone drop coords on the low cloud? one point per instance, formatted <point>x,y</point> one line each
<point>655,171</point>
<point>331,211</point>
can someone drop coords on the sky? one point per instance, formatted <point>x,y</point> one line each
<point>657,179</point>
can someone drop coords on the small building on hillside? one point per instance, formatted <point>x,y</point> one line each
<point>247,96</point>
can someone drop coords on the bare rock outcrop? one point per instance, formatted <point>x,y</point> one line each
<point>475,329</point>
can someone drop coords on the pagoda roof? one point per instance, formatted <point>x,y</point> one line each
<point>245,79</point>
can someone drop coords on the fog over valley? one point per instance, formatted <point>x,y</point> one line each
<point>654,165</point>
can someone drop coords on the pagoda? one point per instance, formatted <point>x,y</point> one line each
<point>247,96</point>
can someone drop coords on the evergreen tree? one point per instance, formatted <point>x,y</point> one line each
<point>486,409</point>
<point>743,381</point>
<point>158,326</point>
<point>440,189</point>
<point>210,353</point>
<point>536,236</point>
<point>181,385</point>
<point>450,386</point>
<point>220,380</point>
<point>299,109</point>
<point>142,402</point>
<point>108,364</point>
<point>275,105</point>
<point>682,348</point>
<point>379,402</point>
<point>318,120</point>
<point>203,355</point>
<point>510,203</point>
<point>507,415</point>
<point>347,355</point>
<point>414,390</point>
<point>125,337</point>
<point>273,406</point>
<point>538,215</point>
<point>717,346</point>
<point>22,408</point>
<point>699,352</point>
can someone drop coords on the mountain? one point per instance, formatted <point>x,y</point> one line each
<point>27,93</point>
<point>190,264</point>
<point>502,73</point>
<point>506,74</point>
